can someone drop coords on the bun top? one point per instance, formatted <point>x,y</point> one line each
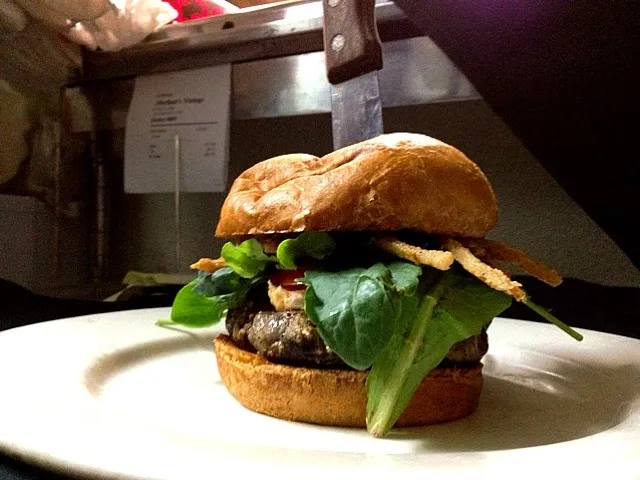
<point>391,182</point>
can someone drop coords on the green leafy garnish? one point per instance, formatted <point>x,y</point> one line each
<point>204,301</point>
<point>398,319</point>
<point>547,315</point>
<point>405,276</point>
<point>221,282</point>
<point>454,309</point>
<point>315,245</point>
<point>247,259</point>
<point>192,309</point>
<point>356,310</point>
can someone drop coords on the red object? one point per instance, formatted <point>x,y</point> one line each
<point>194,9</point>
<point>287,278</point>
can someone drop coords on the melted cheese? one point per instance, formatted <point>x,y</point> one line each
<point>283,299</point>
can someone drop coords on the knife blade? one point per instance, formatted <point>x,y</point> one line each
<point>353,54</point>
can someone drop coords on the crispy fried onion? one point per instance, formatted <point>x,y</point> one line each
<point>493,277</point>
<point>481,254</point>
<point>501,252</point>
<point>209,265</point>
<point>434,258</point>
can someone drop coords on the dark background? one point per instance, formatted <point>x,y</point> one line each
<point>564,76</point>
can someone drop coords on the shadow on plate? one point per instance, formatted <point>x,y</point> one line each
<point>523,408</point>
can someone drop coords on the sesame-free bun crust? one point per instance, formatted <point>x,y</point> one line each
<point>338,397</point>
<point>391,182</point>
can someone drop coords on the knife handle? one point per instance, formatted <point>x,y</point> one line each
<point>351,42</point>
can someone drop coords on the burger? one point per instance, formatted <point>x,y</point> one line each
<point>357,288</point>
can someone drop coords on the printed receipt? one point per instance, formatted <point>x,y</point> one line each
<point>192,104</point>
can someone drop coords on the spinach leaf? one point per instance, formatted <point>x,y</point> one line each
<point>204,301</point>
<point>454,309</point>
<point>469,304</point>
<point>220,282</point>
<point>308,244</point>
<point>356,310</point>
<point>247,259</point>
<point>193,310</point>
<point>405,276</point>
<point>381,391</point>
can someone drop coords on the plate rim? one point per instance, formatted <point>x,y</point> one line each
<point>66,466</point>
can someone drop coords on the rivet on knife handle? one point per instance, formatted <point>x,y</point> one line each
<point>351,42</point>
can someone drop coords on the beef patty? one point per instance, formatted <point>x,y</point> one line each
<point>290,337</point>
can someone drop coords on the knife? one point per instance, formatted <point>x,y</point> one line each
<point>353,54</point>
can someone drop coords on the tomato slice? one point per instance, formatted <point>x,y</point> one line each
<point>287,278</point>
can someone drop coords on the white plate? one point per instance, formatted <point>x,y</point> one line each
<point>114,395</point>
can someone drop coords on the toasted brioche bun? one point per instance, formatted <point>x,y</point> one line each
<point>391,182</point>
<point>338,397</point>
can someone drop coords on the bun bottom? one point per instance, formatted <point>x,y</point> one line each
<point>338,397</point>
